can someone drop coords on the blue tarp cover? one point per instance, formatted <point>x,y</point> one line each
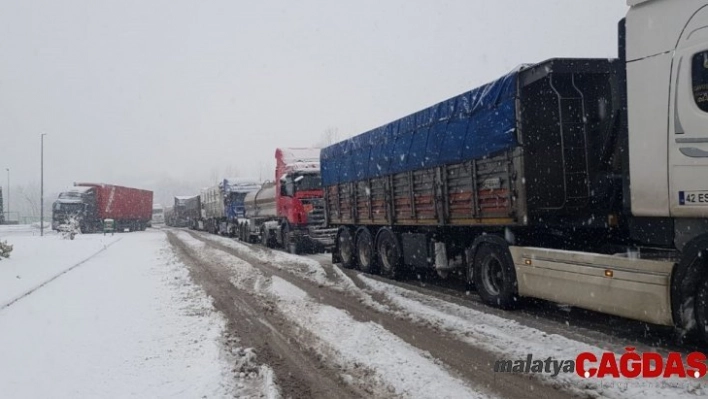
<point>472,125</point>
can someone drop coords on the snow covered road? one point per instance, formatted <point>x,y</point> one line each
<point>464,340</point>
<point>177,313</point>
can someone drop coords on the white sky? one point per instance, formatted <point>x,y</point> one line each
<point>144,92</point>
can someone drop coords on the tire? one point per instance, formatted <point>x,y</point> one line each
<point>388,251</point>
<point>365,254</point>
<point>290,243</point>
<point>345,247</point>
<point>701,310</point>
<point>494,276</point>
<point>264,238</point>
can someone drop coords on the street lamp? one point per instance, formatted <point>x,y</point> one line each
<point>41,185</point>
<point>8,194</point>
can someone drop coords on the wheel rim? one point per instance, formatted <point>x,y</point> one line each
<point>492,275</point>
<point>364,252</point>
<point>345,247</point>
<point>388,253</point>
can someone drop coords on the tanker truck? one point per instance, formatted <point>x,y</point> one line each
<point>224,204</point>
<point>578,181</point>
<point>289,211</point>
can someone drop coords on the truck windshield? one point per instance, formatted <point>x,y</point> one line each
<point>70,195</point>
<point>308,181</point>
<point>69,208</point>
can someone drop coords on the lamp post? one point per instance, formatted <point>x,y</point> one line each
<point>41,185</point>
<point>8,194</point>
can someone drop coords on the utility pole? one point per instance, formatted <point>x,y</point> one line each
<point>41,184</point>
<point>8,194</point>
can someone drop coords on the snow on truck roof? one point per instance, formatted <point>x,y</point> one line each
<point>78,189</point>
<point>297,155</point>
<point>303,167</point>
<point>241,184</point>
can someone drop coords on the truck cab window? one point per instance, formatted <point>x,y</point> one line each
<point>699,72</point>
<point>287,187</point>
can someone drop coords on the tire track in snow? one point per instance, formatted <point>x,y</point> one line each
<point>299,374</point>
<point>463,360</point>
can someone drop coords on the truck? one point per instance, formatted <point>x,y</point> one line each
<point>289,211</point>
<point>186,212</point>
<point>169,216</point>
<point>158,215</point>
<point>90,204</point>
<point>577,181</point>
<point>224,204</point>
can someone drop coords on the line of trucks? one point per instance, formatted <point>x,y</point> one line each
<point>286,212</point>
<point>578,181</point>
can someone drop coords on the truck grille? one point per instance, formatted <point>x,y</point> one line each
<point>316,222</point>
<point>316,217</point>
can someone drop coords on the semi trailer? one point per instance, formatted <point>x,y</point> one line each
<point>90,204</point>
<point>224,204</point>
<point>158,215</point>
<point>289,211</point>
<point>186,212</point>
<point>579,181</point>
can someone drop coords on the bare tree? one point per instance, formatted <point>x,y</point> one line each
<point>330,136</point>
<point>231,171</point>
<point>30,195</point>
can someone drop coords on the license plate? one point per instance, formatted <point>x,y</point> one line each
<point>695,198</point>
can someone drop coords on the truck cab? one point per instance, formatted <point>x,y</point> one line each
<point>77,203</point>
<point>667,96</point>
<point>300,203</point>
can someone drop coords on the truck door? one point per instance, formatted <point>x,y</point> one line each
<point>688,122</point>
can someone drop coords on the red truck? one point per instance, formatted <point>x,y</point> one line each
<point>289,212</point>
<point>92,203</point>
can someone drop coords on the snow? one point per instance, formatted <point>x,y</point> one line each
<point>293,155</point>
<point>126,322</point>
<point>310,268</point>
<point>407,370</point>
<point>35,260</point>
<point>514,341</point>
<point>393,366</point>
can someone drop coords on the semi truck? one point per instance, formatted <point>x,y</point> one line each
<point>90,204</point>
<point>578,181</point>
<point>289,211</point>
<point>158,215</point>
<point>224,204</point>
<point>186,212</point>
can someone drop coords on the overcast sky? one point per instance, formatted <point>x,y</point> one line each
<point>143,92</point>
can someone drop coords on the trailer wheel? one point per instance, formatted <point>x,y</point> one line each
<point>365,250</point>
<point>265,239</point>
<point>495,277</point>
<point>389,254</point>
<point>701,309</point>
<point>291,243</point>
<point>345,247</point>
